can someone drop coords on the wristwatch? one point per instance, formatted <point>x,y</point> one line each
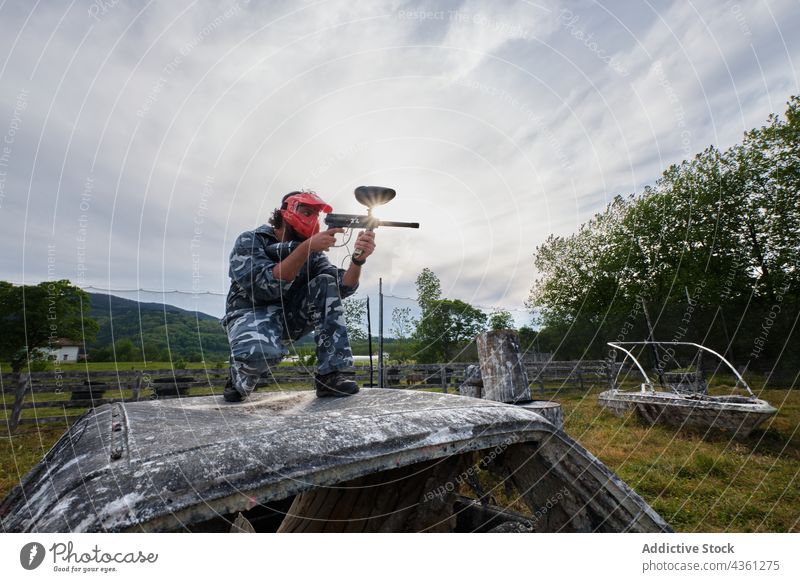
<point>357,262</point>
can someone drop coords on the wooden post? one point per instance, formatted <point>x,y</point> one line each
<point>380,334</point>
<point>502,369</point>
<point>539,370</point>
<point>550,410</point>
<point>23,383</point>
<point>472,385</point>
<point>137,386</point>
<point>443,372</point>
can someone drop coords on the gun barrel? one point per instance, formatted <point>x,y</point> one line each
<point>398,224</point>
<point>363,221</point>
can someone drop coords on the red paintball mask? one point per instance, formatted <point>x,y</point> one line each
<point>305,226</point>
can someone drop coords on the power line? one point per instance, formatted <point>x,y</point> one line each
<point>162,292</point>
<point>219,294</point>
<point>485,307</point>
<point>134,290</point>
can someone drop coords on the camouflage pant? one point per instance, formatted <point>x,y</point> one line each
<point>256,335</point>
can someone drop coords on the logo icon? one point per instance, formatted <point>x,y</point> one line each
<point>31,555</point>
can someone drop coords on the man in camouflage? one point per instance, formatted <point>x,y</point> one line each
<point>282,287</point>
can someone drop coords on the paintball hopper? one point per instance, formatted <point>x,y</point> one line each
<point>371,196</point>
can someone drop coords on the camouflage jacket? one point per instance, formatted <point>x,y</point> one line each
<point>255,254</point>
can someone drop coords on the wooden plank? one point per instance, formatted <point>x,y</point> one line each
<point>65,420</point>
<point>73,403</point>
<point>82,374</point>
<point>23,383</point>
<point>396,500</point>
<point>419,375</point>
<point>137,386</point>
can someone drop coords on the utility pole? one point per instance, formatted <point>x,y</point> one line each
<point>380,333</point>
<point>369,343</point>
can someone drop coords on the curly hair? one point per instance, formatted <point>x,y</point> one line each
<point>276,220</point>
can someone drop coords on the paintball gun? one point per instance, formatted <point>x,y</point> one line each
<point>369,196</point>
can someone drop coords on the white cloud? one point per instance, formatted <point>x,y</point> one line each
<point>497,123</point>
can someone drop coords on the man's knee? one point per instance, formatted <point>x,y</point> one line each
<point>257,357</point>
<point>323,293</point>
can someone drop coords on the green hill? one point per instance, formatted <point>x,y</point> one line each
<point>160,330</point>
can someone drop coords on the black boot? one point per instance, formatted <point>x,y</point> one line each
<point>230,393</point>
<point>335,384</point>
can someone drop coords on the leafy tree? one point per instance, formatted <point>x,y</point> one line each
<point>126,351</point>
<point>33,317</point>
<point>712,248</point>
<point>429,289</point>
<point>403,323</point>
<point>527,339</point>
<point>766,169</point>
<point>447,325</point>
<point>501,319</point>
<point>403,327</point>
<point>100,355</point>
<point>355,316</point>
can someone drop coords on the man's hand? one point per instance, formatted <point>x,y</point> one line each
<point>288,268</point>
<point>324,240</point>
<point>366,243</point>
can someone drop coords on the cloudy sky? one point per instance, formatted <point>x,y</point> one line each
<point>140,138</point>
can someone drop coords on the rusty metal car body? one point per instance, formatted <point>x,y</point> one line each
<point>396,460</point>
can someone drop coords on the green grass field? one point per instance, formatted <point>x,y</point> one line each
<point>698,483</point>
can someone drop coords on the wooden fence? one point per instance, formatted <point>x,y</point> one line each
<point>63,397</point>
<point>580,372</point>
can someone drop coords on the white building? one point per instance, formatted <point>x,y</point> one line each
<point>63,351</point>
